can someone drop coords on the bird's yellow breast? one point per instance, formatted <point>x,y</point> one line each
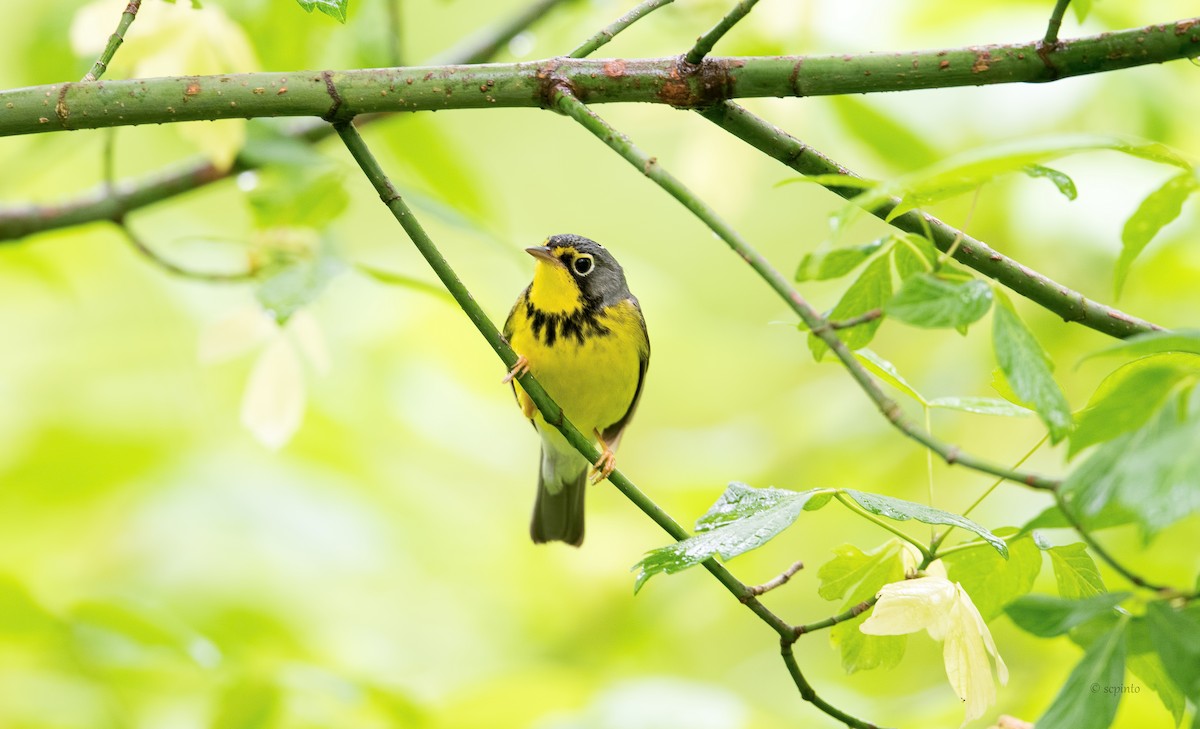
<point>588,362</point>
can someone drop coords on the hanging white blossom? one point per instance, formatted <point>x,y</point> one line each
<point>943,609</point>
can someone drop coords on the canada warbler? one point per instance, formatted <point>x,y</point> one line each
<point>581,333</point>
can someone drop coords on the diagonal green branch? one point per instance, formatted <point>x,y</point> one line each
<point>817,324</point>
<point>112,202</point>
<point>1053,296</point>
<point>610,31</point>
<point>549,409</point>
<point>114,41</point>
<point>1052,27</point>
<point>705,43</point>
<point>342,95</point>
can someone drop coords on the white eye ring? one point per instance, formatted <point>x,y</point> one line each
<point>583,264</point>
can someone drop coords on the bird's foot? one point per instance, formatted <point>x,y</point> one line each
<point>605,464</point>
<point>518,369</point>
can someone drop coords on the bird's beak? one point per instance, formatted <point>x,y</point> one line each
<point>543,253</point>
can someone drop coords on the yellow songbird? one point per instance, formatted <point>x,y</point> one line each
<point>581,333</point>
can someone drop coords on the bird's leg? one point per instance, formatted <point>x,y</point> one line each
<point>518,369</point>
<point>606,462</point>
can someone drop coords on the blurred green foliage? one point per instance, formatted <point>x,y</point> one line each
<point>161,568</point>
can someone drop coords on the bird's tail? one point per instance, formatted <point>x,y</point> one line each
<point>558,511</point>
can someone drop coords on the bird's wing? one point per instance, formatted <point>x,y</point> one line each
<point>613,432</point>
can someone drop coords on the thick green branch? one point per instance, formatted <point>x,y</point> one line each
<point>342,95</point>
<point>111,202</point>
<point>817,324</point>
<point>1053,296</point>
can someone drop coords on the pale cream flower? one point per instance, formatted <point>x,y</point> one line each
<point>274,401</point>
<point>943,609</point>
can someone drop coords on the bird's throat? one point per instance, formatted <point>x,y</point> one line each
<point>553,290</point>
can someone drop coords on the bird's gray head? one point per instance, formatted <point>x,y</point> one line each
<point>575,272</point>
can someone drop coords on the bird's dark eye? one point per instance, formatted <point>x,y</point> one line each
<point>583,265</point>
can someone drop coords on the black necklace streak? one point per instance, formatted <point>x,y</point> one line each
<point>581,324</point>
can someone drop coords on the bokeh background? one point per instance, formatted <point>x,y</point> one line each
<point>161,567</point>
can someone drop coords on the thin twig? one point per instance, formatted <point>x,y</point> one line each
<point>484,45</point>
<point>809,694</point>
<point>1103,553</point>
<point>108,161</point>
<point>937,540</point>
<point>610,31</point>
<point>705,43</point>
<point>114,42</point>
<point>1069,304</point>
<point>566,102</point>
<point>832,620</point>
<point>777,581</point>
<point>209,276</point>
<point>853,506</point>
<point>854,321</point>
<point>395,28</point>
<point>1051,38</point>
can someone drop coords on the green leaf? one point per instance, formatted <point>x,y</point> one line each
<point>744,518</point>
<point>1088,700</point>
<point>335,9</point>
<point>859,577</point>
<point>887,372</point>
<point>892,141</point>
<point>1027,369</point>
<point>981,406</point>
<point>1127,398</point>
<point>1053,518</point>
<point>1148,668</point>
<point>1158,209</point>
<point>1075,571</point>
<point>913,254</point>
<point>292,199</point>
<point>104,625</point>
<point>1140,345</point>
<point>403,280</point>
<point>832,179</point>
<point>835,263</point>
<point>870,290</point>
<point>1063,182</point>
<point>21,615</point>
<point>901,510</point>
<point>931,301</point>
<point>1152,473</point>
<point>268,144</point>
<point>425,149</point>
<point>1176,638</point>
<point>741,501</point>
<point>297,285</point>
<point>965,172</point>
<point>1081,8</point>
<point>1047,616</point>
<point>992,581</point>
<point>249,703</point>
